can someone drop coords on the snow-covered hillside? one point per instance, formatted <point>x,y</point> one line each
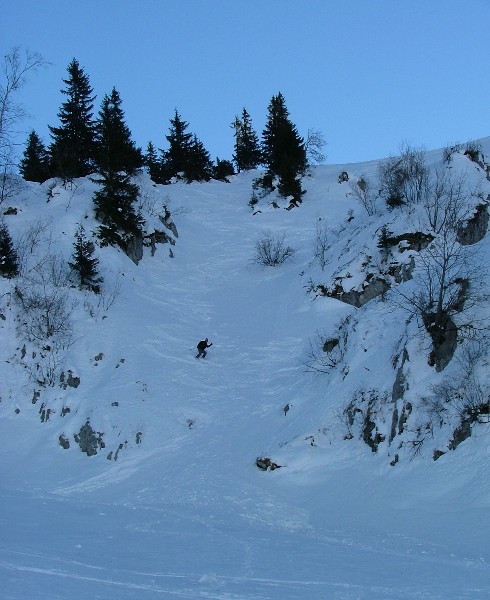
<point>171,502</point>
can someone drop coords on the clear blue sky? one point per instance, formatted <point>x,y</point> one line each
<point>369,74</point>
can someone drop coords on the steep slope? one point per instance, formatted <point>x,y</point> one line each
<point>181,508</point>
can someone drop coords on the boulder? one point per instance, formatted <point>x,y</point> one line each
<point>88,440</point>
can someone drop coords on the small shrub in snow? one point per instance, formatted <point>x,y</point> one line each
<point>448,153</point>
<point>403,179</point>
<point>30,249</point>
<point>324,353</point>
<point>473,151</point>
<point>97,305</point>
<point>253,200</point>
<point>46,313</point>
<point>272,251</point>
<point>321,244</point>
<point>364,192</point>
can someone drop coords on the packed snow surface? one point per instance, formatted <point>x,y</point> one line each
<point>184,512</point>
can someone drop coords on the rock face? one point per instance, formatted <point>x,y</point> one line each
<point>444,342</point>
<point>370,435</point>
<point>157,237</point>
<point>361,413</point>
<point>400,384</point>
<point>462,433</point>
<point>411,241</point>
<point>135,249</point>
<point>166,219</point>
<point>152,238</point>
<point>474,230</point>
<point>376,286</point>
<point>330,344</point>
<point>373,286</point>
<point>378,283</point>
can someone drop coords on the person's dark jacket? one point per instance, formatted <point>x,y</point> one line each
<point>203,344</point>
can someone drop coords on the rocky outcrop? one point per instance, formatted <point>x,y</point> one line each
<point>69,380</point>
<point>89,440</point>
<point>370,434</point>
<point>362,413</point>
<point>374,285</point>
<point>167,221</point>
<point>410,241</point>
<point>444,342</point>
<point>134,248</point>
<point>400,386</point>
<point>330,344</point>
<point>10,211</point>
<point>152,238</point>
<point>474,229</point>
<point>462,433</point>
<point>372,288</point>
<point>266,464</point>
<point>157,237</point>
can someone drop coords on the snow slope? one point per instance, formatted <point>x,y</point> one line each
<point>184,511</point>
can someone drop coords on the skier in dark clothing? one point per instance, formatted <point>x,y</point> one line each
<point>203,344</point>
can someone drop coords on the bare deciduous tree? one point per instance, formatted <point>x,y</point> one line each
<point>363,191</point>
<point>38,234</point>
<point>403,179</point>
<point>464,395</point>
<point>321,244</point>
<point>15,68</point>
<point>449,275</point>
<point>324,353</point>
<point>314,144</point>
<point>17,64</point>
<point>46,313</point>
<point>445,200</point>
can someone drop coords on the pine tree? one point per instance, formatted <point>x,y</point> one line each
<point>179,141</point>
<point>9,263</point>
<point>116,151</point>
<point>248,154</point>
<point>34,165</point>
<point>153,164</point>
<point>72,150</point>
<point>186,157</point>
<point>199,166</point>
<point>117,159</point>
<point>284,150</point>
<point>84,264</point>
<point>114,208</point>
